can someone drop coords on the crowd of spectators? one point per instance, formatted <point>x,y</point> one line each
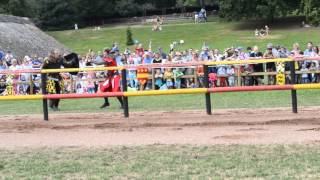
<point>9,62</point>
<point>169,78</point>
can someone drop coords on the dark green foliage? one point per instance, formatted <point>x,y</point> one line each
<point>256,9</point>
<point>4,6</point>
<point>56,14</point>
<point>311,9</point>
<point>127,8</point>
<point>61,14</point>
<point>270,9</point>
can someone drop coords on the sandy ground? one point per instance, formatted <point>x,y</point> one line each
<point>242,126</point>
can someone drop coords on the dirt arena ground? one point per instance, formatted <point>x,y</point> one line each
<point>241,126</point>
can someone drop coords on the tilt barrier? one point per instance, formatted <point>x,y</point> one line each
<point>206,90</point>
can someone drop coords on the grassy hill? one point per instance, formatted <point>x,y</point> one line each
<point>217,34</point>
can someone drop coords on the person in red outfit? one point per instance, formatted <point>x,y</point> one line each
<point>112,82</point>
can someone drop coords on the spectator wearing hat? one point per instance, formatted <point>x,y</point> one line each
<point>271,53</point>
<point>147,58</point>
<point>240,54</point>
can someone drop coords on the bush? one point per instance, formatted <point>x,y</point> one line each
<point>129,37</point>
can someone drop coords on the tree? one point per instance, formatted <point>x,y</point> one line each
<point>201,2</point>
<point>247,9</point>
<point>311,9</point>
<point>19,8</point>
<point>127,8</point>
<point>129,37</point>
<point>56,14</point>
<point>185,3</point>
<point>158,3</point>
<point>93,11</point>
<point>4,6</point>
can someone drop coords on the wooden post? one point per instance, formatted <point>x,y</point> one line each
<point>239,77</point>
<point>31,84</point>
<point>206,85</point>
<point>44,101</point>
<point>293,92</point>
<point>153,80</point>
<point>125,89</point>
<point>196,82</point>
<point>266,77</point>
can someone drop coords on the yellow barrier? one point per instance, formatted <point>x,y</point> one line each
<point>153,92</point>
<point>167,92</point>
<point>255,61</point>
<point>22,97</point>
<point>233,62</point>
<point>306,86</point>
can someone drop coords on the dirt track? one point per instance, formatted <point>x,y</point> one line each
<point>241,126</point>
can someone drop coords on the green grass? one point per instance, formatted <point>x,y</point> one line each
<point>217,34</point>
<point>172,103</point>
<point>164,162</point>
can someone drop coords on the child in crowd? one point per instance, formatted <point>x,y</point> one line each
<point>189,72</point>
<point>79,88</point>
<point>168,77</point>
<point>200,73</point>
<point>305,78</point>
<point>133,81</point>
<point>15,78</point>
<point>158,77</point>
<point>2,85</point>
<point>193,84</point>
<point>90,87</point>
<point>231,76</point>
<point>222,76</point>
<point>84,84</point>
<point>177,78</point>
<point>213,79</point>
<point>313,76</point>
